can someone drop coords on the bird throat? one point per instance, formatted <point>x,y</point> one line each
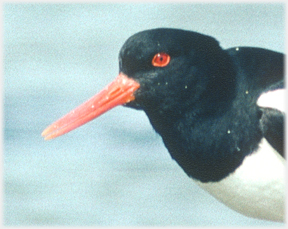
<point>208,149</point>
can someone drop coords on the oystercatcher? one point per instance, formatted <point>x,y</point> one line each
<point>211,107</point>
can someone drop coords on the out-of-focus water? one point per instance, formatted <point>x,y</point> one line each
<point>115,170</point>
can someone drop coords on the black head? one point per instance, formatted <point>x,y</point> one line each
<point>183,81</point>
<point>197,65</point>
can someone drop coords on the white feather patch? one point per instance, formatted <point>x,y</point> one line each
<point>273,99</point>
<point>257,188</point>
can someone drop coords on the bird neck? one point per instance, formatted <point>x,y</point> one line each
<point>209,146</point>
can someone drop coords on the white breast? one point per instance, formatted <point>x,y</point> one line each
<point>257,188</point>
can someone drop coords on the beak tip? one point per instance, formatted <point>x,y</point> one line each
<point>46,134</point>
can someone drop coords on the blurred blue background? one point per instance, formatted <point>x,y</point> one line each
<point>114,171</point>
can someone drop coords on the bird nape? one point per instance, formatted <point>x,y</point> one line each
<point>204,101</point>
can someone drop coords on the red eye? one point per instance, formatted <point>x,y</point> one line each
<point>161,59</point>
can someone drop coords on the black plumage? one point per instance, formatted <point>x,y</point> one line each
<point>203,103</point>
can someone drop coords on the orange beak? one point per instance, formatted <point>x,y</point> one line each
<point>119,92</point>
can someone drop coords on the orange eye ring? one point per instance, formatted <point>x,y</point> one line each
<point>161,59</point>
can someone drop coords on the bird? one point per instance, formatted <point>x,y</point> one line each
<point>219,112</point>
